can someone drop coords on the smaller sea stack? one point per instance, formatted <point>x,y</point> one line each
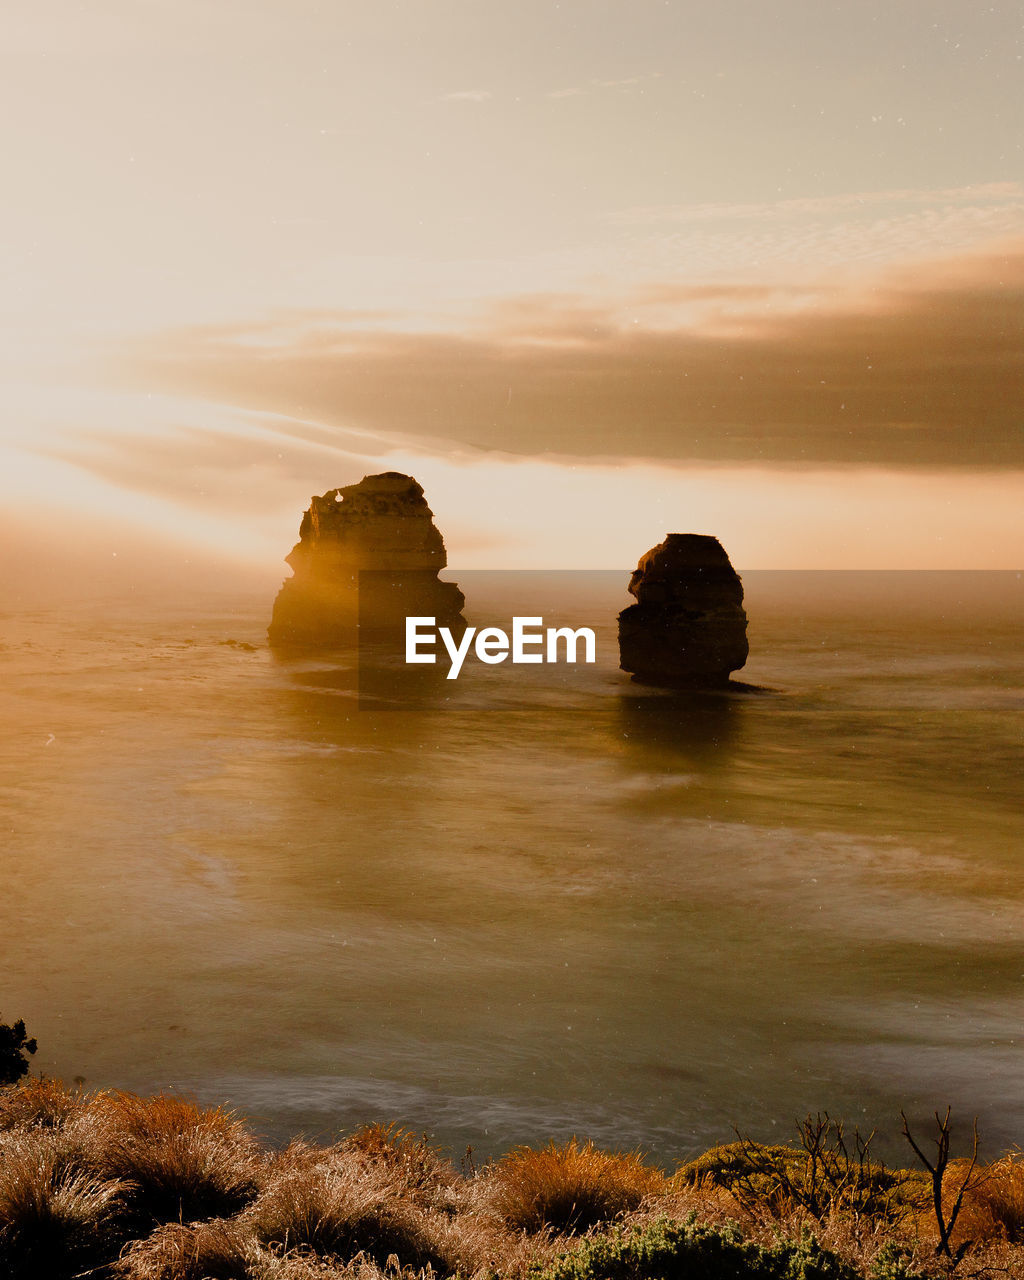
<point>368,555</point>
<point>688,627</point>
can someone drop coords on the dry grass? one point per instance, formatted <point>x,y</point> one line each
<point>203,1251</point>
<point>336,1203</point>
<point>114,1185</point>
<point>184,1162</point>
<point>993,1205</point>
<point>383,1199</point>
<point>40,1104</point>
<point>424,1175</point>
<point>569,1188</point>
<point>294,1266</point>
<point>56,1219</point>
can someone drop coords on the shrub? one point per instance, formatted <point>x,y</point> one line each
<point>947,1199</point>
<point>666,1250</point>
<point>893,1261</point>
<point>14,1044</point>
<point>730,1166</point>
<point>55,1218</point>
<point>828,1173</point>
<point>569,1187</point>
<point>185,1162</point>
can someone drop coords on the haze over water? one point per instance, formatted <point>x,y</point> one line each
<point>558,905</point>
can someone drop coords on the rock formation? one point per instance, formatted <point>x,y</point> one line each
<point>688,626</point>
<point>367,556</point>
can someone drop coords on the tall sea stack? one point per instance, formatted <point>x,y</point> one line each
<point>368,555</point>
<point>688,627</point>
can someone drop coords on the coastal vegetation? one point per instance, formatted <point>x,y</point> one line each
<point>15,1045</point>
<point>119,1187</point>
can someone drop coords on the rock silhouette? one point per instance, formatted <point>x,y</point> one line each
<point>368,555</point>
<point>688,627</point>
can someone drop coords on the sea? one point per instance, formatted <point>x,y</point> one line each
<point>534,902</point>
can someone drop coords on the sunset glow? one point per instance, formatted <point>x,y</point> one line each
<point>511,608</point>
<point>590,272</point>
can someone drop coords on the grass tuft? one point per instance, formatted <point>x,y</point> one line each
<point>185,1162</point>
<point>56,1219</point>
<point>332,1203</point>
<point>569,1188</point>
<point>993,1207</point>
<point>202,1251</point>
<point>40,1104</point>
<point>424,1175</point>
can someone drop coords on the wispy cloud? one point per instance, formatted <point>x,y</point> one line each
<point>467,95</point>
<point>624,82</point>
<point>596,85</point>
<point>997,194</point>
<point>923,370</point>
<point>838,235</point>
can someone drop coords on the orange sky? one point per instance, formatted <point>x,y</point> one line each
<point>593,271</point>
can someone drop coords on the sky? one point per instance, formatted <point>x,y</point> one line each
<point>592,271</point>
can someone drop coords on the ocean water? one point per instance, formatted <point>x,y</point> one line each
<point>551,903</point>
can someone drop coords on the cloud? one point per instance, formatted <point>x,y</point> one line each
<point>923,369</point>
<point>467,95</point>
<point>840,233</point>
<point>1001,194</point>
<point>203,467</point>
<point>625,82</point>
